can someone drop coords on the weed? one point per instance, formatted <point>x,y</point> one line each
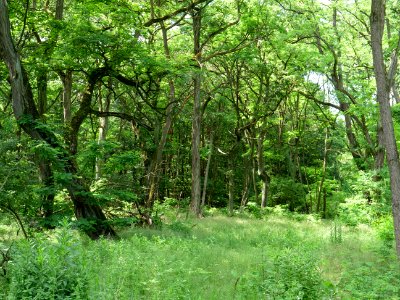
<point>336,232</point>
<point>211,258</point>
<point>43,269</point>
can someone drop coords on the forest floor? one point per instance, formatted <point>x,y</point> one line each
<point>217,257</point>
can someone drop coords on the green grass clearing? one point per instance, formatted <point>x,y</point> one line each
<point>227,258</point>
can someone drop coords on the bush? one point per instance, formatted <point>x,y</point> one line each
<point>385,230</point>
<point>292,275</point>
<point>254,209</point>
<point>285,191</point>
<point>355,210</point>
<point>370,281</point>
<point>44,269</point>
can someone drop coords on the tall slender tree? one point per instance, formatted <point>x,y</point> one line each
<point>384,79</point>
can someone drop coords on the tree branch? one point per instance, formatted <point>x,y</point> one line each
<point>176,12</point>
<point>120,115</point>
<point>24,26</point>
<point>218,31</point>
<point>238,47</point>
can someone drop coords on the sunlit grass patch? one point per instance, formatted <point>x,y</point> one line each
<point>233,258</point>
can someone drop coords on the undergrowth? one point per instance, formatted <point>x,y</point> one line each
<point>212,258</point>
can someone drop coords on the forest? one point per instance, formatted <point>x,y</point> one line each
<point>199,149</point>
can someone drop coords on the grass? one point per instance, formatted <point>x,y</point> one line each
<point>240,258</point>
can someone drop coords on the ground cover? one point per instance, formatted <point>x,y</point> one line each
<point>217,257</point>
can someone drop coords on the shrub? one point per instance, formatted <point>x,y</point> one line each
<point>291,275</point>
<point>385,231</point>
<point>45,269</point>
<point>355,210</point>
<point>370,281</point>
<point>285,191</point>
<point>254,209</point>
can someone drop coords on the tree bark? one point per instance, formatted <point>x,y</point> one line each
<point>261,170</point>
<point>204,193</point>
<point>379,159</point>
<point>66,79</point>
<point>383,83</point>
<point>47,178</point>
<point>196,118</point>
<point>59,9</point>
<point>42,91</point>
<point>45,171</point>
<point>324,164</point>
<point>231,187</point>
<point>103,128</point>
<point>396,94</point>
<point>153,170</point>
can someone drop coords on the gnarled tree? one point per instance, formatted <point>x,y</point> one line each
<point>28,117</point>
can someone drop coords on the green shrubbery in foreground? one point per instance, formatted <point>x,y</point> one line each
<point>213,258</point>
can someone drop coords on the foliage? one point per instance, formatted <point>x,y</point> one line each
<point>278,257</point>
<point>370,281</point>
<point>285,191</point>
<point>292,275</point>
<point>367,200</point>
<point>49,269</point>
<point>286,93</point>
<point>385,231</point>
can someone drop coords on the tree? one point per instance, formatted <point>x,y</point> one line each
<point>384,81</point>
<point>28,117</point>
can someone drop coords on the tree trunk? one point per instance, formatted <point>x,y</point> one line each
<point>203,196</point>
<point>103,128</point>
<point>231,188</point>
<point>47,179</point>
<point>396,94</point>
<point>383,84</point>
<point>196,118</point>
<point>324,205</point>
<point>153,170</point>
<point>254,169</point>
<point>66,79</point>
<point>27,116</point>
<point>42,92</point>
<point>344,97</point>
<point>45,171</point>
<point>246,186</point>
<point>59,9</point>
<point>87,211</point>
<point>324,163</point>
<point>261,170</point>
<point>379,158</point>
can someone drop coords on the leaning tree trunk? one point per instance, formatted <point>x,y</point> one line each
<point>206,172</point>
<point>153,170</point>
<point>27,116</point>
<point>383,84</point>
<point>231,187</point>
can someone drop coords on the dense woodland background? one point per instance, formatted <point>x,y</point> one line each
<point>112,110</point>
